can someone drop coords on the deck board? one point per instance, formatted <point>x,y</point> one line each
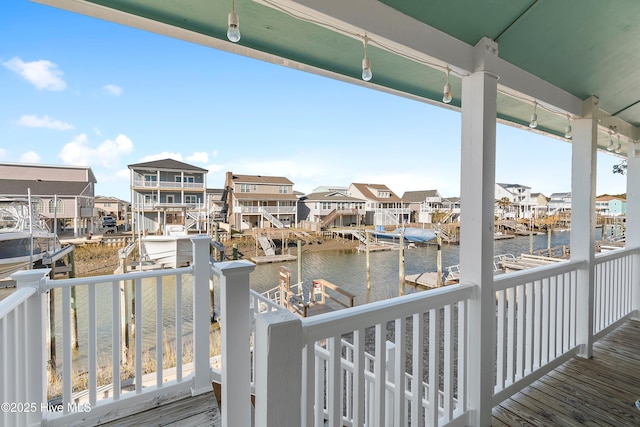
<point>584,392</point>
<point>199,411</point>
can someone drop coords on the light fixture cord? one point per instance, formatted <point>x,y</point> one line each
<point>233,6</point>
<point>364,44</point>
<point>448,71</point>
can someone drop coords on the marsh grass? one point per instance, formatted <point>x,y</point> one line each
<point>104,373</point>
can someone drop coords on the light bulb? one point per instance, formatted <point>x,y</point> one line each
<point>233,33</point>
<point>610,144</point>
<point>618,146</point>
<point>568,132</point>
<point>534,117</point>
<point>446,95</point>
<point>366,70</point>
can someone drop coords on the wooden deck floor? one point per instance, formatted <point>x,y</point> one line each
<point>597,392</point>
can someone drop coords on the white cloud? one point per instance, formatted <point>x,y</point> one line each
<point>97,131</point>
<point>107,154</point>
<point>42,74</point>
<point>199,157</point>
<point>30,157</point>
<point>43,122</point>
<point>113,90</point>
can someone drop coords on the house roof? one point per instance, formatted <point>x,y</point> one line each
<point>556,53</point>
<point>419,196</point>
<point>366,191</point>
<point>609,198</point>
<point>18,187</point>
<point>167,164</point>
<point>107,199</point>
<point>260,179</point>
<point>511,186</point>
<point>329,196</point>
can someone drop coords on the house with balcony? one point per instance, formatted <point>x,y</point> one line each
<point>382,206</point>
<point>331,208</point>
<point>520,203</point>
<point>559,203</point>
<point>424,204</point>
<point>63,195</point>
<point>112,206</point>
<point>168,192</point>
<point>611,206</point>
<point>257,201</point>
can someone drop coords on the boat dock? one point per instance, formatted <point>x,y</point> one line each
<point>268,259</point>
<point>310,297</point>
<point>501,264</point>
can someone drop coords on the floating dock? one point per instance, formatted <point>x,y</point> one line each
<point>268,259</point>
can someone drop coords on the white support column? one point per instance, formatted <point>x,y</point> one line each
<point>583,219</point>
<point>201,315</point>
<point>235,331</point>
<point>478,160</point>
<point>632,233</point>
<point>278,353</point>
<point>35,330</point>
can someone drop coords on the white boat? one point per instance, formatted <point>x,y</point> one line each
<point>172,250</point>
<point>24,237</point>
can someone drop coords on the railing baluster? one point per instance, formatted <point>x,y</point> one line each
<point>417,413</point>
<point>358,377</point>
<point>500,319</point>
<point>530,322</point>
<point>380,376</point>
<point>66,348</point>
<point>138,330</point>
<point>463,364</point>
<point>553,322</point>
<point>334,391</point>
<point>448,371</point>
<point>511,334</point>
<point>537,325</point>
<point>399,368</point>
<point>520,350</point>
<point>434,366</point>
<point>179,327</point>
<point>159,329</point>
<point>92,337</point>
<point>115,338</point>
<point>320,388</point>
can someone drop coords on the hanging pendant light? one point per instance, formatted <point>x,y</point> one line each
<point>366,62</point>
<point>446,93</point>
<point>534,117</point>
<point>568,131</point>
<point>233,30</point>
<point>610,144</point>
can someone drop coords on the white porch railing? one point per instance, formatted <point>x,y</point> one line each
<point>402,361</point>
<point>612,290</point>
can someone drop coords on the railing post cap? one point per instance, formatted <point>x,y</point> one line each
<point>238,266</point>
<point>200,238</point>
<point>29,277</point>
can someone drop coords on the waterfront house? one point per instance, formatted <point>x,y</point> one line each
<point>256,201</point>
<point>423,204</point>
<point>559,202</point>
<point>59,193</point>
<point>611,206</point>
<point>520,203</point>
<point>382,206</point>
<point>331,208</point>
<point>539,204</point>
<point>112,206</point>
<point>486,351</point>
<point>168,192</point>
<point>216,199</point>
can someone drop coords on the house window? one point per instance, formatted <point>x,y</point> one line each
<point>107,205</point>
<point>53,208</point>
<point>326,205</point>
<point>151,178</point>
<point>245,188</point>
<point>188,179</point>
<point>191,199</point>
<point>283,189</point>
<point>149,199</point>
<point>38,206</point>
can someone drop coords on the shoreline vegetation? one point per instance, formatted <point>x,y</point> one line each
<point>100,259</point>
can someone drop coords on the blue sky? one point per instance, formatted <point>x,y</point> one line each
<point>80,91</point>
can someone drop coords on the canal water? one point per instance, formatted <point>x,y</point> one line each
<point>346,269</point>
